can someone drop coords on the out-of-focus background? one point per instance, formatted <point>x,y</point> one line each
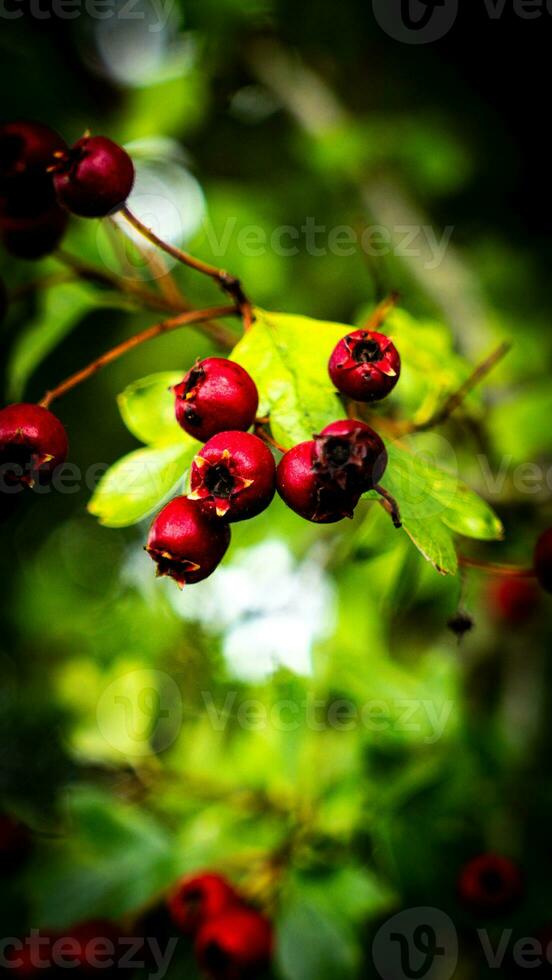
<point>304,716</point>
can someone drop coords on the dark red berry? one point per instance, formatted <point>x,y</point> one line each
<point>542,560</point>
<point>33,442</point>
<point>233,476</point>
<point>186,546</point>
<point>31,238</point>
<point>308,491</point>
<point>27,151</point>
<point>200,898</point>
<point>351,455</point>
<point>235,945</point>
<point>490,884</point>
<point>94,177</point>
<point>214,396</point>
<point>513,600</point>
<point>365,365</point>
<point>15,844</point>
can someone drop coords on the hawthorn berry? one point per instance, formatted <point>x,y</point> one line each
<point>33,442</point>
<point>214,396</point>
<point>198,899</point>
<point>94,177</point>
<point>233,476</point>
<point>235,945</point>
<point>351,455</point>
<point>26,152</point>
<point>184,544</point>
<point>513,600</point>
<point>490,884</point>
<point>365,365</point>
<point>542,560</point>
<point>34,237</point>
<point>306,489</point>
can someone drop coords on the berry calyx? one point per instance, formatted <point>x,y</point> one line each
<point>235,945</point>
<point>33,442</point>
<point>308,491</point>
<point>490,884</point>
<point>214,396</point>
<point>200,898</point>
<point>94,177</point>
<point>542,560</point>
<point>233,477</point>
<point>365,365</point>
<point>26,152</point>
<point>351,455</point>
<point>513,600</point>
<point>184,544</point>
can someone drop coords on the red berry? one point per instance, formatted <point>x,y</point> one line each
<point>235,945</point>
<point>351,455</point>
<point>307,490</point>
<point>33,443</point>
<point>33,237</point>
<point>233,476</point>
<point>26,153</point>
<point>513,600</point>
<point>197,899</point>
<point>542,560</point>
<point>94,177</point>
<point>186,546</point>
<point>365,365</point>
<point>214,396</point>
<point>490,884</point>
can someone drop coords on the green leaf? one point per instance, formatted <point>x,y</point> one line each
<point>113,861</point>
<point>312,945</point>
<point>147,409</point>
<point>61,311</point>
<point>288,358</point>
<point>138,484</point>
<point>434,504</point>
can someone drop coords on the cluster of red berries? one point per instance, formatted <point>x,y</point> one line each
<point>232,940</point>
<point>42,179</point>
<point>234,477</point>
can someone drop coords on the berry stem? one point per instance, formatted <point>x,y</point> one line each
<point>455,400</point>
<point>143,296</point>
<point>390,505</point>
<point>230,284</point>
<point>182,320</point>
<point>493,568</point>
<point>378,317</point>
<point>261,432</point>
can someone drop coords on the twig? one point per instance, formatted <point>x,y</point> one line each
<point>263,434</point>
<point>143,296</point>
<point>183,320</point>
<point>230,284</point>
<point>455,400</point>
<point>378,317</point>
<point>390,505</point>
<point>492,568</point>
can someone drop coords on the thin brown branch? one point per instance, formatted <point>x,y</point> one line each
<point>182,320</point>
<point>230,284</point>
<point>492,568</point>
<point>142,296</point>
<point>390,505</point>
<point>455,400</point>
<point>378,317</point>
<point>262,432</point>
